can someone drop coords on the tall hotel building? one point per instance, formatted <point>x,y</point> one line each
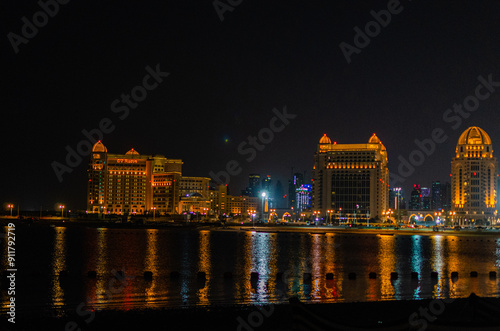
<point>351,180</point>
<point>132,183</point>
<point>474,179</point>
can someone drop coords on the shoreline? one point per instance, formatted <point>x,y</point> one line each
<point>290,229</point>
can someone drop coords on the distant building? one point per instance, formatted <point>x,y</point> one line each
<point>190,185</point>
<point>426,198</point>
<point>303,197</point>
<point>254,187</point>
<point>446,196</point>
<point>293,184</point>
<point>437,195</point>
<point>441,196</point>
<point>267,187</point>
<point>396,198</point>
<point>224,204</point>
<point>280,196</point>
<point>353,178</point>
<point>416,198</point>
<point>195,197</point>
<point>474,181</point>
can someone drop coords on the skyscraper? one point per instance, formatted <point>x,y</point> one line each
<point>279,195</point>
<point>416,198</point>
<point>351,177</point>
<point>396,198</point>
<point>303,197</point>
<point>436,195</point>
<point>474,181</point>
<point>293,184</point>
<point>426,198</point>
<point>253,185</point>
<point>267,186</point>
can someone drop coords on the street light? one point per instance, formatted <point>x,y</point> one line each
<point>316,216</point>
<point>62,210</point>
<point>263,194</point>
<point>154,213</point>
<point>10,206</point>
<point>253,217</point>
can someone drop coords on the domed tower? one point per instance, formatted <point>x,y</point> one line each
<point>97,178</point>
<point>324,143</point>
<point>474,173</point>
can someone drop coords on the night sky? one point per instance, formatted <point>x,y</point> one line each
<point>226,77</point>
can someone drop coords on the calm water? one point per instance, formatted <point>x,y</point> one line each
<point>43,252</point>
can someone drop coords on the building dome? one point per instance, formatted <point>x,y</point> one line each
<point>99,148</point>
<point>474,142</point>
<point>325,140</point>
<point>474,136</point>
<point>374,139</point>
<point>132,151</point>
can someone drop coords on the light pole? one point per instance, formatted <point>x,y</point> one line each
<point>62,210</point>
<point>329,215</point>
<point>154,213</point>
<point>263,194</point>
<point>10,206</point>
<point>340,216</point>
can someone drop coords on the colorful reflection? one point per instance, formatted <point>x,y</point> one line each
<point>152,288</point>
<point>313,267</point>
<point>204,266</point>
<point>387,264</point>
<point>58,267</point>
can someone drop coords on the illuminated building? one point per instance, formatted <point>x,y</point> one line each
<point>303,197</point>
<point>195,196</point>
<point>189,185</point>
<point>396,198</point>
<point>416,198</point>
<point>293,184</point>
<point>441,195</point>
<point>253,186</point>
<point>224,204</point>
<point>474,182</point>
<point>426,198</point>
<point>437,196</point>
<point>131,183</point>
<point>351,178</point>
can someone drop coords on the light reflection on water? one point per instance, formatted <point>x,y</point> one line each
<point>58,266</point>
<point>213,253</point>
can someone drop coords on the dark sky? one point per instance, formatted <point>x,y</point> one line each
<point>225,78</point>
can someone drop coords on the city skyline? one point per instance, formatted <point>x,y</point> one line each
<point>240,191</point>
<point>200,87</point>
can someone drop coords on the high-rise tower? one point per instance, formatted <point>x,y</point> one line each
<point>474,183</point>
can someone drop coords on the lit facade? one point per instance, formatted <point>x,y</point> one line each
<point>223,204</point>
<point>131,183</point>
<point>474,179</point>
<point>351,179</point>
<point>303,198</point>
<point>190,185</point>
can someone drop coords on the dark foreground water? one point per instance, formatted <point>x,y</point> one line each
<point>53,263</point>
